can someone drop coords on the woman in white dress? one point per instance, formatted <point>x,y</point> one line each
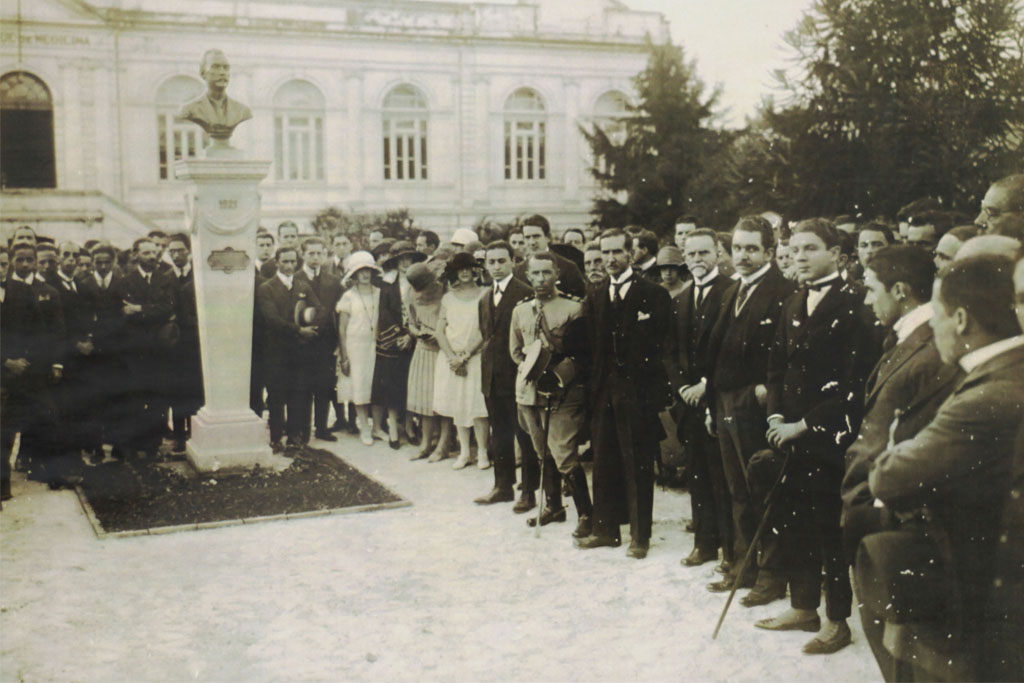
<point>457,382</point>
<point>358,311</point>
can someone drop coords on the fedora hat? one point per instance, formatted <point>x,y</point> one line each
<point>400,249</point>
<point>463,236</point>
<point>359,260</point>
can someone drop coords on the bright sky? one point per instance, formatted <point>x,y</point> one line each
<point>737,43</point>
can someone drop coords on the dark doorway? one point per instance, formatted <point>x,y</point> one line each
<point>26,132</point>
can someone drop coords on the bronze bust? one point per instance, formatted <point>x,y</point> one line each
<point>214,111</point>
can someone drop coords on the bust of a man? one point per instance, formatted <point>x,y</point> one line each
<point>214,111</point>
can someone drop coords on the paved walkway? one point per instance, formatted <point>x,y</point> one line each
<point>443,590</point>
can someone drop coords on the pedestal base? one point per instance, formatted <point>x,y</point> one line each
<point>228,441</point>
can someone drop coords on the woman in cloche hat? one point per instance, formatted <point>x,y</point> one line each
<point>358,316</point>
<point>457,382</point>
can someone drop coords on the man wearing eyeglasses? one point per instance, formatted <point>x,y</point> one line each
<point>1002,209</point>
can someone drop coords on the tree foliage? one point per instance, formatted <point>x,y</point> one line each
<point>892,101</point>
<point>657,170</point>
<point>332,220</point>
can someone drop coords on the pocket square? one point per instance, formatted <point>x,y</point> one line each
<point>641,316</point>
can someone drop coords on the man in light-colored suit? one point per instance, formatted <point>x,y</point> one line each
<point>959,466</point>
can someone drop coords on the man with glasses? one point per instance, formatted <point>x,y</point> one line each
<point>1002,209</point>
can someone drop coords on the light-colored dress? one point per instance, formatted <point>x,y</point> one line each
<point>460,398</point>
<point>360,344</point>
<point>420,397</point>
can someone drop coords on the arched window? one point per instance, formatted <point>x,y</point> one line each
<point>609,111</point>
<point>298,132</point>
<point>524,136</point>
<point>405,134</point>
<point>26,132</point>
<point>176,138</point>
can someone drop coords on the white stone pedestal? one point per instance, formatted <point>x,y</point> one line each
<point>222,215</point>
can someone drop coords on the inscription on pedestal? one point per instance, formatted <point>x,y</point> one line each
<point>228,260</point>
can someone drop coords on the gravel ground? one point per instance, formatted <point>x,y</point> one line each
<point>443,590</point>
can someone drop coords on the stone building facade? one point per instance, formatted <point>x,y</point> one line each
<point>455,111</point>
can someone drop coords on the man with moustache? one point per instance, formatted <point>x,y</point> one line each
<point>824,350</point>
<point>319,377</point>
<point>960,468</point>
<point>695,311</point>
<point>554,319</point>
<point>740,345</point>
<point>903,393</point>
<point>498,381</point>
<point>593,266</point>
<point>630,322</point>
<point>149,303</point>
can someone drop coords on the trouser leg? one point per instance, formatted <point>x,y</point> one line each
<point>502,413</point>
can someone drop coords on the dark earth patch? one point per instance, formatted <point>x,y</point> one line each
<point>129,496</point>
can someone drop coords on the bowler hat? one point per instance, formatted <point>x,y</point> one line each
<point>400,249</point>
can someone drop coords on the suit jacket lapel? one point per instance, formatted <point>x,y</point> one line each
<point>918,340</point>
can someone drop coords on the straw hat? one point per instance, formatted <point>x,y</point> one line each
<point>464,236</point>
<point>359,260</point>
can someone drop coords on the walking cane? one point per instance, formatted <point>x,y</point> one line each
<point>769,501</point>
<point>543,457</point>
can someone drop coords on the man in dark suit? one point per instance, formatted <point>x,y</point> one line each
<point>280,298</point>
<point>32,338</point>
<point>537,237</point>
<point>740,344</point>
<point>630,324</point>
<point>695,311</point>
<point>645,256</point>
<point>321,366</point>
<point>498,378</point>
<point>185,382</point>
<point>101,294</point>
<point>264,267</point>
<point>903,393</point>
<point>960,465</point>
<point>825,347</point>
<point>149,304</point>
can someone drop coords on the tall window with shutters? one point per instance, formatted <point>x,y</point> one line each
<point>525,136</point>
<point>404,127</point>
<point>298,133</point>
<point>176,138</point>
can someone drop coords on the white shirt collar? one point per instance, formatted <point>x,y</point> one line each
<point>828,278</point>
<point>286,279</point>
<point>970,361</point>
<point>912,320</point>
<point>66,278</point>
<point>103,280</point>
<point>626,275</point>
<point>503,283</point>
<point>649,263</point>
<point>28,280</point>
<point>309,271</point>
<point>707,278</point>
<point>181,272</point>
<point>747,279</point>
<point>145,276</point>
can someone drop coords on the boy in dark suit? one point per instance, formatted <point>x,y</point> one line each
<point>825,347</point>
<point>630,322</point>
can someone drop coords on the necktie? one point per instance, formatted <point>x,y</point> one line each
<point>497,294</point>
<point>890,340</point>
<point>702,290</point>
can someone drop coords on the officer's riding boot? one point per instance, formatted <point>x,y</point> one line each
<point>577,480</point>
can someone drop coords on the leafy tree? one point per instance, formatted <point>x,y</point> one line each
<point>657,170</point>
<point>891,101</point>
<point>332,220</point>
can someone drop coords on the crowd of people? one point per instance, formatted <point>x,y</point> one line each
<point>848,392</point>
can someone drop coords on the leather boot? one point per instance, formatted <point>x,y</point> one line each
<point>577,482</point>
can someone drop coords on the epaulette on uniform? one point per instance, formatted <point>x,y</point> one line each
<point>570,297</point>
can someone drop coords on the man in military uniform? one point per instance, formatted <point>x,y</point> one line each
<point>554,319</point>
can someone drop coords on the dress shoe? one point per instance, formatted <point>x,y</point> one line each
<point>583,527</point>
<point>724,567</point>
<point>5,489</point>
<point>395,444</point>
<point>764,592</point>
<point>461,462</point>
<point>598,542</point>
<point>835,637</point>
<point>811,624</point>
<point>526,502</point>
<point>437,456</point>
<point>724,585</point>
<point>699,556</point>
<point>637,549</point>
<point>339,425</point>
<point>325,435</point>
<point>497,495</point>
<point>366,437</point>
<point>421,454</point>
<point>353,428</point>
<point>547,517</point>
<point>379,435</point>
<point>482,461</point>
